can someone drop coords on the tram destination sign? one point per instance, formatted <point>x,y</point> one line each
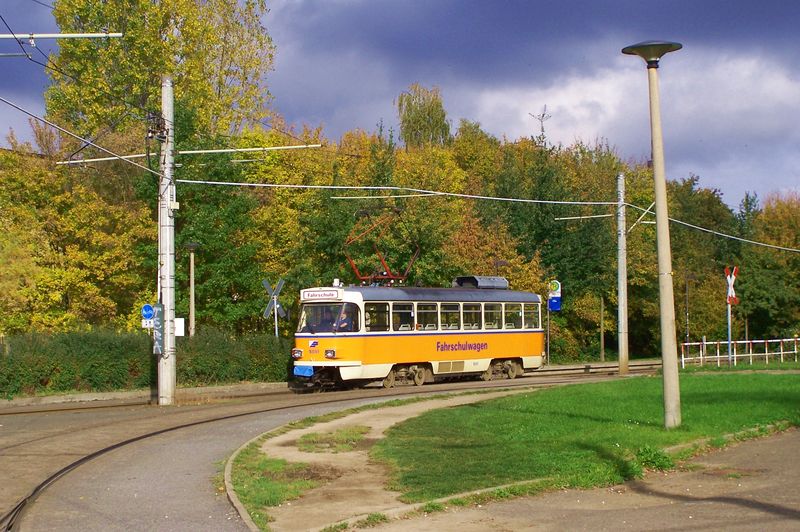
<point>320,294</point>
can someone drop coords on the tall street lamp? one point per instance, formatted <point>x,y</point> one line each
<point>651,52</point>
<point>191,246</point>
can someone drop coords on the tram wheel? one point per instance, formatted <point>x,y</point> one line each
<point>487,375</point>
<point>419,377</point>
<point>388,382</point>
<point>511,369</point>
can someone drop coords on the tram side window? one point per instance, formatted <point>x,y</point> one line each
<point>513,316</point>
<point>492,314</point>
<point>451,316</point>
<point>472,316</point>
<point>427,317</point>
<point>531,313</point>
<point>376,316</point>
<point>403,316</point>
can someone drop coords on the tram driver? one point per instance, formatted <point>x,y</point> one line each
<point>345,323</point>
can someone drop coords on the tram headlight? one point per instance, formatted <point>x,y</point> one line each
<point>330,353</point>
<point>297,353</point>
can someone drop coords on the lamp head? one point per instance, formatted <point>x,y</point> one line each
<point>651,51</point>
<point>191,246</point>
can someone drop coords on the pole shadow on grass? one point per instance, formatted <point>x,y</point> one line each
<point>625,468</point>
<point>774,509</point>
<point>628,471</point>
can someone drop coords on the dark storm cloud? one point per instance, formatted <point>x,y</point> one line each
<point>730,99</point>
<point>727,97</point>
<point>520,40</point>
<point>21,80</point>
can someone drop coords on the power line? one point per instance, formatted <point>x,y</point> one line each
<point>420,191</point>
<point>43,4</point>
<point>424,192</point>
<point>382,197</point>
<point>71,134</point>
<point>193,152</point>
<point>52,65</point>
<point>15,38</point>
<point>724,235</point>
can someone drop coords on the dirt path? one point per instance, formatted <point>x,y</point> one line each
<point>747,486</point>
<point>359,486</point>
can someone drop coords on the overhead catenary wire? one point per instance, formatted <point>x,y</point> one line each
<point>718,233</point>
<point>71,134</point>
<point>645,213</point>
<point>419,191</point>
<point>426,193</point>
<point>193,152</point>
<point>52,65</point>
<point>50,7</point>
<point>382,197</point>
<point>26,54</point>
<point>583,217</point>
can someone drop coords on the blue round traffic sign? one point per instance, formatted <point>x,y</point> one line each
<point>148,312</point>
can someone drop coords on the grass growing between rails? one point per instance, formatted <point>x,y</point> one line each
<point>576,436</point>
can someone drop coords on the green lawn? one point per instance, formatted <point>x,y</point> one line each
<point>577,436</point>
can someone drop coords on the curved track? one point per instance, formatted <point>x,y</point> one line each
<point>144,424</point>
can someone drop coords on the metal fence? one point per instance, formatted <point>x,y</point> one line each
<point>702,353</point>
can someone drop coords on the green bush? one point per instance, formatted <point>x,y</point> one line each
<point>105,360</point>
<point>654,458</point>
<point>214,357</point>
<point>98,360</point>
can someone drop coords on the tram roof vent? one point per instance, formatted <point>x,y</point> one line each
<point>478,281</point>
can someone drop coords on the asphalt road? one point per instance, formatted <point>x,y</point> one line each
<point>161,483</point>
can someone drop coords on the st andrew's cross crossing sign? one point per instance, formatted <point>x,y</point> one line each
<point>273,303</point>
<point>273,298</point>
<point>730,276</point>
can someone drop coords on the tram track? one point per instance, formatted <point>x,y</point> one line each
<point>596,368</point>
<point>176,419</point>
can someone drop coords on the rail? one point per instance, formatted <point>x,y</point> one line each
<point>716,352</point>
<point>11,519</point>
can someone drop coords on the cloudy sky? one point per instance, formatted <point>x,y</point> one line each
<point>730,99</point>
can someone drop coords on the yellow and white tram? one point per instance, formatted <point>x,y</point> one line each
<point>350,336</point>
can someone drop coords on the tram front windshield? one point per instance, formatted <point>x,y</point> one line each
<point>318,317</point>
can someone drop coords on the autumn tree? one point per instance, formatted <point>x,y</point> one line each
<point>769,283</point>
<point>67,256</point>
<point>423,120</point>
<point>217,51</point>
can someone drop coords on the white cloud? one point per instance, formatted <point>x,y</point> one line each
<point>730,120</point>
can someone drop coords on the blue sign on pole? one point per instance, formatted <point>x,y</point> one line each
<point>554,304</point>
<point>148,312</point>
<point>158,330</point>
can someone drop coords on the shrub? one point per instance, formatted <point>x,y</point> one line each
<point>654,459</point>
<point>96,360</point>
<point>104,360</point>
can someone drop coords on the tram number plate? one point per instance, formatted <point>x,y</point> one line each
<point>303,371</point>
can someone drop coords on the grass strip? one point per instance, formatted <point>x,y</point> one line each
<point>340,441</point>
<point>581,436</point>
<point>253,473</point>
<point>261,482</point>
